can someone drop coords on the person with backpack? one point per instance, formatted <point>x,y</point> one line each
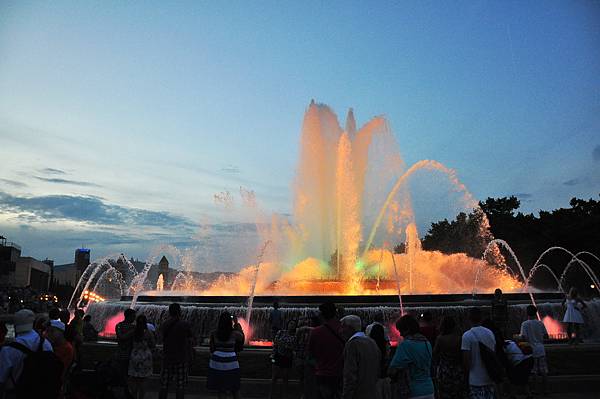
<point>177,351</point>
<point>28,367</point>
<point>478,344</point>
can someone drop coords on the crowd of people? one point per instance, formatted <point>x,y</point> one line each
<point>13,299</point>
<point>335,355</point>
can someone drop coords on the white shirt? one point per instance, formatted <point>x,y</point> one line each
<point>11,359</point>
<point>533,331</point>
<point>514,354</point>
<point>478,375</point>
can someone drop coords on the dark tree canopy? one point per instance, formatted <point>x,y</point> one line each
<point>576,228</point>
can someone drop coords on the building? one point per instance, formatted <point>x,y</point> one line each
<point>68,274</point>
<point>22,271</point>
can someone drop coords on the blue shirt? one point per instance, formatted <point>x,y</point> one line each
<point>11,359</point>
<point>415,354</point>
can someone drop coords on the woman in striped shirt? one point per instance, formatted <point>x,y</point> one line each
<point>223,366</point>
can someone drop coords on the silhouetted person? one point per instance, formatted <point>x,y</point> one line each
<point>90,333</point>
<point>326,346</point>
<point>534,332</point>
<point>124,331</point>
<point>276,319</point>
<point>447,359</point>
<point>428,328</point>
<point>140,361</point>
<point>499,310</point>
<point>573,316</point>
<point>177,350</point>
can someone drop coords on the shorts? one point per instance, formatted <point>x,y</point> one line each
<point>177,370</point>
<point>540,366</point>
<point>482,392</point>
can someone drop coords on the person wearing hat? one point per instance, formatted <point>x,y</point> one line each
<point>62,348</point>
<point>11,359</point>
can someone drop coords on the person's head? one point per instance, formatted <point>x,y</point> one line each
<point>573,293</point>
<point>23,321</point>
<point>475,316</point>
<point>175,310</point>
<point>275,305</point>
<point>129,315</point>
<point>377,334</point>
<point>407,325</point>
<point>141,325</point>
<point>351,324</point>
<point>315,321</point>
<point>225,326</point>
<point>79,314</point>
<point>328,310</point>
<point>378,318</point>
<point>54,314</point>
<point>291,326</point>
<point>448,325</point>
<point>498,293</point>
<point>64,316</point>
<point>87,318</point>
<point>532,312</point>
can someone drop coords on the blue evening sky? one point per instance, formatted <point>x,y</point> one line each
<point>119,121</point>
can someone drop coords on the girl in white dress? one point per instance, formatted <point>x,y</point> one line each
<point>573,316</point>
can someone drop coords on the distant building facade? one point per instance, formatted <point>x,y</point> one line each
<point>22,271</point>
<point>68,274</point>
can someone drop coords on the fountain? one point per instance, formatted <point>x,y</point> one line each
<point>351,197</point>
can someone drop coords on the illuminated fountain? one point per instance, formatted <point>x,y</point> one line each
<point>351,200</point>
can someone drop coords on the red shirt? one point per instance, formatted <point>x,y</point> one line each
<point>327,348</point>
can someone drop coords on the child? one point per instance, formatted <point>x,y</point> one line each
<point>573,316</point>
<point>534,332</point>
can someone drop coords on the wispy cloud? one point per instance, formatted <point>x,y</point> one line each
<point>53,171</point>
<point>572,182</point>
<point>87,209</point>
<point>524,195</point>
<point>13,183</point>
<point>67,181</point>
<point>233,169</point>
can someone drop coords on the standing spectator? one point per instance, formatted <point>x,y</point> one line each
<point>534,332</point>
<point>414,354</point>
<point>61,347</point>
<point>499,310</point>
<point>326,346</point>
<point>377,334</point>
<point>306,364</point>
<point>54,314</point>
<point>90,334</point>
<point>177,352</point>
<point>428,327</point>
<point>362,360</point>
<point>276,319</point>
<point>447,359</point>
<point>283,357</point>
<point>573,316</point>
<point>124,331</point>
<point>140,361</point>
<point>223,367</point>
<point>13,357</point>
<point>481,386</point>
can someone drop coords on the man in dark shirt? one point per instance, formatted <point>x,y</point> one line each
<point>275,319</point>
<point>326,346</point>
<point>177,350</point>
<point>124,331</point>
<point>499,311</point>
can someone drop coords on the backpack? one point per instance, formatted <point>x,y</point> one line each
<point>41,376</point>
<point>491,361</point>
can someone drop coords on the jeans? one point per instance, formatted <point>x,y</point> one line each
<point>329,387</point>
